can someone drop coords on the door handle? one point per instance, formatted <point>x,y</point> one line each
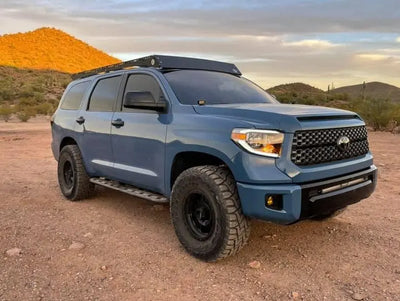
<point>80,120</point>
<point>118,123</point>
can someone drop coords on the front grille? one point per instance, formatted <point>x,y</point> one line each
<point>320,146</point>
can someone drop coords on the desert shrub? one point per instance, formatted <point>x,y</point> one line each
<point>380,114</point>
<point>5,94</point>
<point>53,101</point>
<point>340,96</point>
<point>23,116</point>
<point>25,102</point>
<point>26,114</point>
<point>39,97</point>
<point>44,108</point>
<point>39,86</point>
<point>5,112</point>
<point>26,92</point>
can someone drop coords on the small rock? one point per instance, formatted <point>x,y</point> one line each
<point>76,246</point>
<point>295,295</point>
<point>103,268</point>
<point>14,252</point>
<point>158,208</point>
<point>255,264</point>
<point>88,235</point>
<point>358,296</point>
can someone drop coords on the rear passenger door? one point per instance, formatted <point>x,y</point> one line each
<point>95,123</point>
<point>139,144</point>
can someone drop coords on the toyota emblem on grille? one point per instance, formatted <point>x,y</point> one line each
<point>343,143</point>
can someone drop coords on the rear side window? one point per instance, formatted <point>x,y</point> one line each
<point>104,94</point>
<point>73,97</point>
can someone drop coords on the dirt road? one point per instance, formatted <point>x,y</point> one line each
<point>117,247</point>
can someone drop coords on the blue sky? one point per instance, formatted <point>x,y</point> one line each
<point>272,42</point>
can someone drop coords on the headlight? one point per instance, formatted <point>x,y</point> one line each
<point>261,142</point>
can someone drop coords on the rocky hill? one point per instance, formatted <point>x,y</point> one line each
<point>298,93</point>
<point>50,48</point>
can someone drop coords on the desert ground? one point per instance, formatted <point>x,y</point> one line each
<point>118,247</point>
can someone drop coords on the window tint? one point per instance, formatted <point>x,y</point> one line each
<point>104,94</point>
<point>190,86</point>
<point>73,97</point>
<point>143,83</point>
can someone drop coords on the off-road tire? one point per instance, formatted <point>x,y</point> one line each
<point>232,228</point>
<point>79,187</point>
<point>328,215</point>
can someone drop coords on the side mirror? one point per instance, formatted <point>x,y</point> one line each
<point>144,100</point>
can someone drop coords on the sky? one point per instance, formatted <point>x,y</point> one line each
<point>272,42</point>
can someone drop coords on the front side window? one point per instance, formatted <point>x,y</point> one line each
<point>143,83</point>
<point>105,94</point>
<point>191,86</point>
<point>73,97</point>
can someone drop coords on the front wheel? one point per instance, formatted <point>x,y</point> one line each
<point>206,213</point>
<point>73,180</point>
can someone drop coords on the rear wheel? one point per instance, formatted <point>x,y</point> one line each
<point>206,213</point>
<point>72,177</point>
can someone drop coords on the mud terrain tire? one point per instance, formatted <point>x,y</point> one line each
<point>72,177</point>
<point>206,213</point>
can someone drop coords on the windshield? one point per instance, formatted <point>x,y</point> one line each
<point>190,86</point>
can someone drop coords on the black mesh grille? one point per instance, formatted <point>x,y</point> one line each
<point>319,146</point>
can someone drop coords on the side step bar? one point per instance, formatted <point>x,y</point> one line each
<point>151,196</point>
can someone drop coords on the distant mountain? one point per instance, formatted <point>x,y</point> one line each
<point>375,90</point>
<point>50,48</point>
<point>300,88</point>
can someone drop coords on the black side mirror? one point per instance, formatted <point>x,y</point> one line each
<point>144,100</point>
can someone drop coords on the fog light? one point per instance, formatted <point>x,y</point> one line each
<point>270,201</point>
<point>274,202</point>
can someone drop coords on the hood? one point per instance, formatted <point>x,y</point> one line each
<point>284,117</point>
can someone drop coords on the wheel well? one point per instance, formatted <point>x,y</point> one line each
<point>67,141</point>
<point>186,160</point>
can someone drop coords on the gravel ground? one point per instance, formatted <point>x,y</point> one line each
<point>117,247</point>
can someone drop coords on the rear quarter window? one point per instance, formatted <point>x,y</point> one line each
<point>73,98</point>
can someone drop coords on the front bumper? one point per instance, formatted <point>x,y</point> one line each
<point>301,201</point>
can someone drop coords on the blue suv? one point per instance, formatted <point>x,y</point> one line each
<point>220,150</point>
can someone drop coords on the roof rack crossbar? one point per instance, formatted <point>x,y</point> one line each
<point>164,62</point>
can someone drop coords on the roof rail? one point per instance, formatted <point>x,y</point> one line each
<point>164,62</point>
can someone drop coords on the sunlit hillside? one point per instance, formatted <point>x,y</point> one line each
<point>50,48</point>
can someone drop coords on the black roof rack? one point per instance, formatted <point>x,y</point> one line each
<point>164,62</point>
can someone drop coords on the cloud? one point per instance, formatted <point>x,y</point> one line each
<point>288,40</point>
<point>316,44</point>
<point>374,56</point>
